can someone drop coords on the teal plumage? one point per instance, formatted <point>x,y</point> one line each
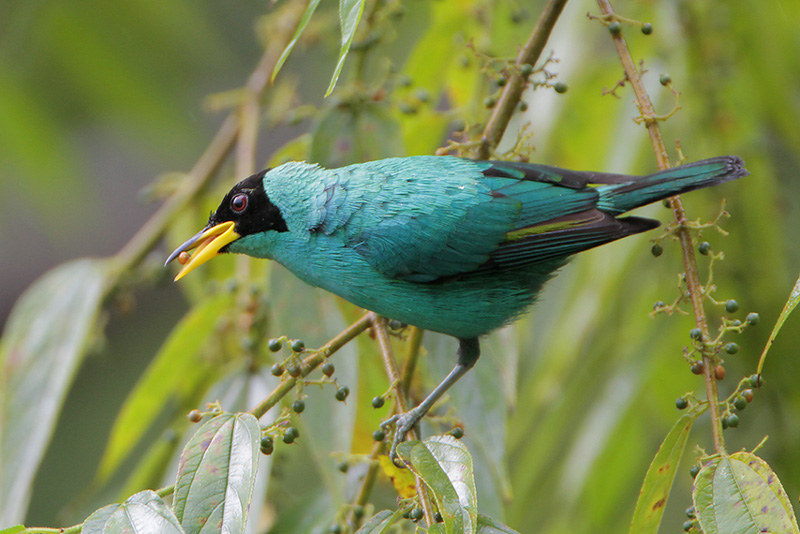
<point>447,244</point>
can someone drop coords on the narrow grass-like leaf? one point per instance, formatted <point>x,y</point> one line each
<point>349,16</point>
<point>740,494</point>
<point>487,525</point>
<point>660,476</point>
<point>216,475</point>
<point>312,7</point>
<point>43,344</point>
<point>174,372</point>
<point>143,513</point>
<point>380,522</point>
<point>446,467</point>
<point>794,298</point>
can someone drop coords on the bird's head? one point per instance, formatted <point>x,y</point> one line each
<point>245,210</point>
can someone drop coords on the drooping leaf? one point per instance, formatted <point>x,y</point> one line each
<point>380,522</point>
<point>445,465</point>
<point>660,476</point>
<point>216,475</point>
<point>740,494</point>
<point>349,16</point>
<point>143,513</point>
<point>794,298</point>
<point>43,344</point>
<point>173,374</point>
<point>312,7</point>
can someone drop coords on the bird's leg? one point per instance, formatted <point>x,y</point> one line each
<point>468,352</point>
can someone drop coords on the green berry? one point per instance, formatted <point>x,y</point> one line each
<point>523,106</point>
<point>739,403</point>
<point>526,70</point>
<point>696,334</point>
<point>298,406</point>
<point>704,248</point>
<point>657,250</point>
<point>748,395</point>
<point>328,368</point>
<point>343,467</point>
<point>423,95</point>
<point>438,517</point>
<point>698,367</point>
<point>756,381</point>
<point>358,511</point>
<point>736,322</point>
<point>267,441</point>
<point>560,87</point>
<point>752,319</point>
<point>724,423</point>
<point>274,345</point>
<point>733,420</point>
<point>694,470</point>
<point>407,108</point>
<point>288,437</point>
<point>405,81</point>
<point>731,306</point>
<point>379,435</point>
<point>658,304</point>
<point>267,450</point>
<point>647,28</point>
<point>666,203</point>
<point>277,369</point>
<point>336,528</point>
<point>731,348</point>
<point>457,432</point>
<point>293,431</point>
<point>690,512</point>
<point>501,81</point>
<point>687,525</point>
<point>377,402</point>
<point>342,393</point>
<point>665,79</point>
<point>297,345</point>
<point>194,416</point>
<point>615,27</point>
<point>294,370</point>
<point>415,515</point>
<point>490,102</point>
<point>681,403</point>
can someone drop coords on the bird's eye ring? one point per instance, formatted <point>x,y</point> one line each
<point>239,203</point>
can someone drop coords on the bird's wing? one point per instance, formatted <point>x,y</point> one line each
<point>426,218</point>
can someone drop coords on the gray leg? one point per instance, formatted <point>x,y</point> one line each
<point>468,352</point>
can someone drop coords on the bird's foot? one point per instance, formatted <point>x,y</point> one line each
<point>403,424</point>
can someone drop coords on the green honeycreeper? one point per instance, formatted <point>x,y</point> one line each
<point>446,244</point>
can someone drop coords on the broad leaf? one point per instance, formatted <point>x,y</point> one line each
<point>660,476</point>
<point>487,525</point>
<point>216,475</point>
<point>445,465</point>
<point>380,522</point>
<point>349,16</point>
<point>740,494</point>
<point>174,374</point>
<point>43,345</point>
<point>143,513</point>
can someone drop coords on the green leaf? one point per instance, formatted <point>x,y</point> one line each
<point>13,530</point>
<point>740,494</point>
<point>349,16</point>
<point>487,525</point>
<point>43,344</point>
<point>794,298</point>
<point>445,465</point>
<point>312,6</point>
<point>660,476</point>
<point>142,513</point>
<point>174,373</point>
<point>380,522</point>
<point>216,475</point>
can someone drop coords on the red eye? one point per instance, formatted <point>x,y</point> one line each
<point>239,203</point>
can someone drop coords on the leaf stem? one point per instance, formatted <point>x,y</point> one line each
<point>695,288</point>
<point>529,54</point>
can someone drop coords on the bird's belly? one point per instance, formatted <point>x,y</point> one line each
<point>465,306</point>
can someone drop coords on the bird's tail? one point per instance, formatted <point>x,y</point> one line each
<point>621,197</point>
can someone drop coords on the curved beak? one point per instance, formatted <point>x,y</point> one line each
<point>208,242</point>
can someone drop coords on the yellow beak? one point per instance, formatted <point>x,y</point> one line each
<point>208,242</point>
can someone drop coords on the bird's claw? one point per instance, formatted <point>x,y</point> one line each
<point>403,423</point>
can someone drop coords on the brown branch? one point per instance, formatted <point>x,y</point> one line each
<point>693,284</point>
<point>529,54</point>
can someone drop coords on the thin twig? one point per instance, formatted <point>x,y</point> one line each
<point>512,92</point>
<point>693,284</point>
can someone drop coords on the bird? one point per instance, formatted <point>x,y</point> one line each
<point>444,243</point>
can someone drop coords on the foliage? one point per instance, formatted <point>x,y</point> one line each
<point>565,410</point>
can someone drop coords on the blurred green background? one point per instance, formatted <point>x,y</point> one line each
<point>99,99</point>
